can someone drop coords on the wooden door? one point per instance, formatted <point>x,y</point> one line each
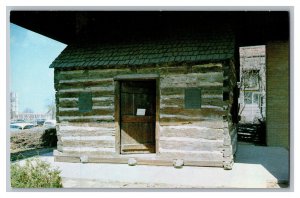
<point>138,116</point>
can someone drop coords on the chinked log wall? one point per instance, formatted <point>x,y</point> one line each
<point>190,134</point>
<point>230,130</point>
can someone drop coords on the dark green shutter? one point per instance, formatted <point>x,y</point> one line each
<point>85,102</point>
<point>192,98</point>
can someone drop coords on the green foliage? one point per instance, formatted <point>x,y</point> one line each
<point>35,174</point>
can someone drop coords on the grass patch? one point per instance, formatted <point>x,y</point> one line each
<point>35,173</point>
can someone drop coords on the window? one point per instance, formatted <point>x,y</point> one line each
<point>252,98</point>
<point>251,79</point>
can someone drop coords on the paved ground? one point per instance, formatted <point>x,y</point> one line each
<point>255,167</point>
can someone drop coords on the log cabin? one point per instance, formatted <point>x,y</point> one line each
<point>154,100</point>
<point>158,88</point>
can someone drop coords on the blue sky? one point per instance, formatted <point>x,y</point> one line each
<point>30,75</point>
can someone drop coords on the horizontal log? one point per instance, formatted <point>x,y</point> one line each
<point>110,160</point>
<point>87,126</point>
<point>75,94</point>
<point>87,74</point>
<point>191,140</point>
<point>172,91</point>
<point>192,131</point>
<point>172,70</point>
<point>68,109</point>
<point>87,149</point>
<point>166,70</point>
<point>98,133</point>
<point>84,131</point>
<point>93,108</point>
<point>86,84</point>
<point>220,97</point>
<point>190,144</point>
<point>138,76</point>
<point>203,112</point>
<point>191,155</point>
<point>213,102</point>
<point>67,103</point>
<point>89,143</point>
<point>88,138</point>
<point>168,97</point>
<point>102,99</point>
<point>107,107</point>
<point>74,103</point>
<point>207,68</point>
<point>87,133</point>
<point>203,163</point>
<point>70,71</point>
<point>90,80</point>
<point>178,102</point>
<point>89,152</point>
<point>193,80</point>
<point>181,119</point>
<point>106,103</point>
<point>174,105</point>
<point>87,89</point>
<point>210,123</point>
<point>67,99</point>
<point>86,118</point>
<point>209,65</point>
<point>195,83</point>
<point>215,90</point>
<point>95,111</point>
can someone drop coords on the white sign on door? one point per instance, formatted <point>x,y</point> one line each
<point>141,112</point>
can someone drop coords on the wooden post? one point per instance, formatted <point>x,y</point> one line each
<point>157,125</point>
<point>117,117</point>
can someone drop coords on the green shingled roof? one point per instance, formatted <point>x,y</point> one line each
<point>188,49</point>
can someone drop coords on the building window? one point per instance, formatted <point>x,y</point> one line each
<point>251,80</point>
<point>252,98</point>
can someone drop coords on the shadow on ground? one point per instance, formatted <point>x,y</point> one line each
<point>274,159</point>
<point>32,142</point>
<point>30,153</point>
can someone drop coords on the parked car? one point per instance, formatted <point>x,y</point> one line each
<point>18,121</point>
<point>50,124</point>
<point>20,126</point>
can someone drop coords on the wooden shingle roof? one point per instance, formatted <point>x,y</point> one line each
<point>210,47</point>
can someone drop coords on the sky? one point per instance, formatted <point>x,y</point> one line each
<point>30,76</point>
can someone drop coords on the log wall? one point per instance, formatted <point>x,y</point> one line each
<point>230,98</point>
<point>192,133</point>
<point>189,134</point>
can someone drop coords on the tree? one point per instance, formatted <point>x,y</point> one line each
<point>51,109</point>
